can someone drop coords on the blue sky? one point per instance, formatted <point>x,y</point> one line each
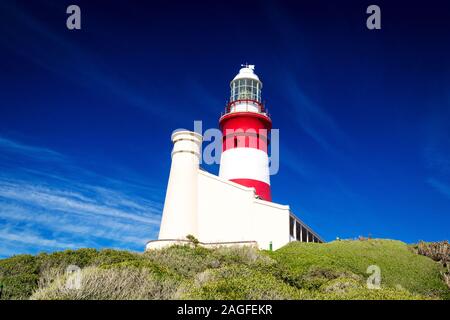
<point>86,116</point>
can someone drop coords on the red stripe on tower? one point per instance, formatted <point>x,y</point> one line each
<point>245,127</point>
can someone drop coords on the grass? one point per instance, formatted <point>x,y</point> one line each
<point>400,266</point>
<point>335,270</point>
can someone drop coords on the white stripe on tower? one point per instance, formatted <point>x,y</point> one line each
<point>245,163</point>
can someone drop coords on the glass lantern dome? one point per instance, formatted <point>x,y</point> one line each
<point>245,93</point>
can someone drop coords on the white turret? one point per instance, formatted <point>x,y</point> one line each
<point>179,217</point>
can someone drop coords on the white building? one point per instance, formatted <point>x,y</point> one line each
<point>235,207</point>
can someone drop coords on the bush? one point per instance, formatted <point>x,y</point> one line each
<point>340,285</point>
<point>22,274</point>
<point>193,239</point>
<point>238,283</point>
<point>182,260</point>
<point>438,251</point>
<point>246,255</point>
<point>361,293</point>
<point>19,276</point>
<point>109,284</point>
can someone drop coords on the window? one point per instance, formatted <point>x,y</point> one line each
<point>245,89</point>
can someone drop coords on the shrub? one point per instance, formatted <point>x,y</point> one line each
<point>239,283</point>
<point>361,293</point>
<point>62,259</point>
<point>22,274</point>
<point>438,251</point>
<point>19,276</point>
<point>246,255</point>
<point>340,285</point>
<point>183,260</point>
<point>109,284</point>
<point>18,287</point>
<point>317,277</point>
<point>193,239</point>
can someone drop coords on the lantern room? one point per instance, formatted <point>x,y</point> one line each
<point>245,91</point>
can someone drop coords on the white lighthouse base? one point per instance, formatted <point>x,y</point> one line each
<point>229,214</point>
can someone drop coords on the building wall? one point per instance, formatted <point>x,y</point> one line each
<point>270,224</point>
<point>229,212</point>
<point>224,210</point>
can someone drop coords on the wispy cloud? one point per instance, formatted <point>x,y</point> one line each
<point>208,103</point>
<point>55,199</point>
<point>11,146</point>
<point>314,119</point>
<point>30,37</point>
<point>53,211</point>
<point>436,151</point>
<point>30,237</point>
<point>441,187</point>
<point>436,147</point>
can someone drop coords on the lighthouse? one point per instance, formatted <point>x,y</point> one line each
<point>245,127</point>
<point>234,208</point>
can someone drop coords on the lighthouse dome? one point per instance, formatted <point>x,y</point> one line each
<point>247,72</point>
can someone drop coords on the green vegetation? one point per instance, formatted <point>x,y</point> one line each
<point>335,270</point>
<point>311,265</point>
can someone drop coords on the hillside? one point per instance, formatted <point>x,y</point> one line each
<point>335,270</point>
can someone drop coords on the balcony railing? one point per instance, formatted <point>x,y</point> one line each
<point>249,105</point>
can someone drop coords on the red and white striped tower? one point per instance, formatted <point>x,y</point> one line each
<point>245,127</point>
